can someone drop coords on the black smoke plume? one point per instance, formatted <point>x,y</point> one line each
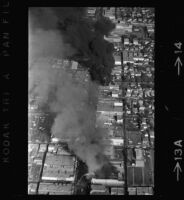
<point>84,36</point>
<point>66,33</point>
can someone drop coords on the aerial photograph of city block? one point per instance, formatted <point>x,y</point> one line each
<point>91,100</point>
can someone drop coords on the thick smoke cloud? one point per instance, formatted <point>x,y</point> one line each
<point>85,36</point>
<point>65,33</point>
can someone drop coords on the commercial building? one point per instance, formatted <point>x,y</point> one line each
<point>55,188</point>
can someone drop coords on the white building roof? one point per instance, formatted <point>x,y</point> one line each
<point>115,95</point>
<point>126,41</point>
<point>135,41</point>
<point>117,141</point>
<point>74,65</point>
<point>118,104</point>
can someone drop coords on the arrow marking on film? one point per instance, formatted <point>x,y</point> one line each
<point>178,63</point>
<point>178,170</point>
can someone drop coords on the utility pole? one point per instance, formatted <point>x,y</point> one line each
<point>124,135</point>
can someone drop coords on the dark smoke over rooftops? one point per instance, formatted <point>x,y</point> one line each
<point>66,33</point>
<point>84,37</point>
